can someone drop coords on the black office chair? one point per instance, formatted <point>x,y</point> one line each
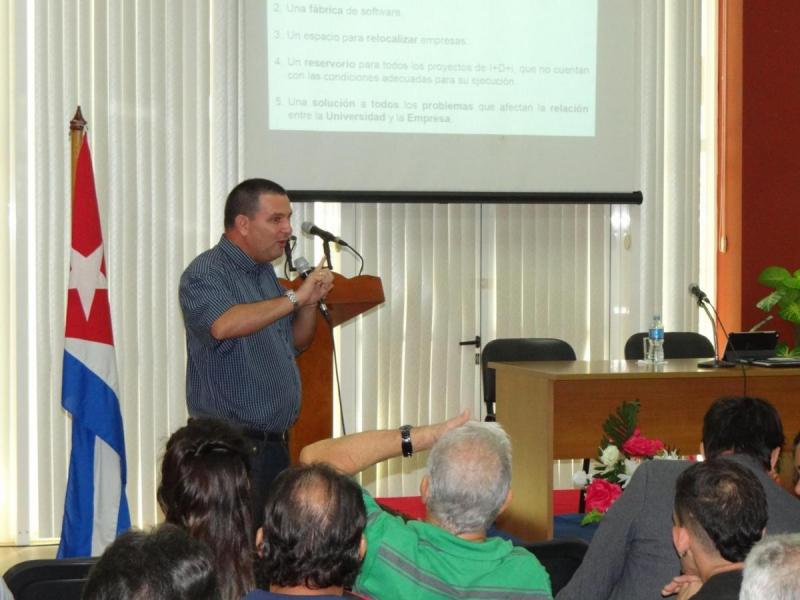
<point>517,349</point>
<point>677,344</point>
<point>561,558</point>
<point>51,579</point>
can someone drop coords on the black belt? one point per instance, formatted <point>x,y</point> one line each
<point>266,436</point>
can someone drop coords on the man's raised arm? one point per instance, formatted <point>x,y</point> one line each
<point>354,453</point>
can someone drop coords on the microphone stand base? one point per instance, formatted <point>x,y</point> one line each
<point>716,364</point>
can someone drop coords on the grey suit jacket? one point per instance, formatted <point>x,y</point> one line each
<point>631,555</point>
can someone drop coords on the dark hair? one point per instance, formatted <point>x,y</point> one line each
<point>724,504</point>
<point>243,199</point>
<point>205,489</point>
<point>744,425</point>
<point>165,564</point>
<point>312,530</point>
<point>795,445</point>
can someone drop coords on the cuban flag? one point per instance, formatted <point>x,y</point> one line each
<point>95,507</point>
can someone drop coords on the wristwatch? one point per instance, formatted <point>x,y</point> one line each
<point>405,442</point>
<point>292,296</point>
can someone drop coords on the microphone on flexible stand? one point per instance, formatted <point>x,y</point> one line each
<point>699,294</point>
<point>311,229</point>
<point>287,250</point>
<point>327,237</point>
<point>704,303</point>
<point>304,270</point>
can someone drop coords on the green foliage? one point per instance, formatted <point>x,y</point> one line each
<point>592,517</point>
<point>783,349</point>
<point>618,428</point>
<point>786,296</point>
<point>621,425</point>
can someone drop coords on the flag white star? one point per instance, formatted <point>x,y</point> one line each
<point>86,277</point>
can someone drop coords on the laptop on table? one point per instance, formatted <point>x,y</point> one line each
<point>757,348</point>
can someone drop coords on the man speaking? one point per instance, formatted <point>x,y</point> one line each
<point>243,329</point>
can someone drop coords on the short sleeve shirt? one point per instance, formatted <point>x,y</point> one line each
<point>252,380</point>
<point>415,559</point>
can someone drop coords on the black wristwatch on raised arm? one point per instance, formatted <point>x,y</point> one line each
<point>405,442</point>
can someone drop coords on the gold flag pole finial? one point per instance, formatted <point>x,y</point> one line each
<point>76,127</point>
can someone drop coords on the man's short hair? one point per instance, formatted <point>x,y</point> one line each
<point>744,425</point>
<point>723,504</point>
<point>772,569</point>
<point>164,564</point>
<point>314,518</point>
<point>244,198</point>
<point>470,476</point>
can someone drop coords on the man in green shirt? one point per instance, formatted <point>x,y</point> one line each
<point>448,555</point>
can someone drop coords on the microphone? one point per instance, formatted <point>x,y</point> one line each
<point>761,323</point>
<point>704,302</point>
<point>311,229</point>
<point>695,291</point>
<point>287,250</point>
<point>304,270</point>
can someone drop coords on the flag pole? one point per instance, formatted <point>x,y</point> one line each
<point>95,504</point>
<point>76,127</point>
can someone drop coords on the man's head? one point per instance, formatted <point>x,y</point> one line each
<point>469,478</point>
<point>796,455</point>
<point>164,564</point>
<point>313,525</point>
<point>720,508</point>
<point>257,219</point>
<point>743,425</point>
<point>772,569</point>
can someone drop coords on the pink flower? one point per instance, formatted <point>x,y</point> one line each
<point>639,446</point>
<point>601,494</point>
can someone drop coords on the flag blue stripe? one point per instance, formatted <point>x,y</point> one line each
<point>93,404</point>
<point>76,531</point>
<point>95,413</point>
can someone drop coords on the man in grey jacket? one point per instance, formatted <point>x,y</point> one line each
<point>631,555</point>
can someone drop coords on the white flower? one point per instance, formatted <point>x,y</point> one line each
<point>581,479</point>
<point>630,468</point>
<point>610,455</point>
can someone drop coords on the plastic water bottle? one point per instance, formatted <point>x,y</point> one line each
<point>656,335</point>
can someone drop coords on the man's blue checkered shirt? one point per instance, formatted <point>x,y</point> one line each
<point>252,380</point>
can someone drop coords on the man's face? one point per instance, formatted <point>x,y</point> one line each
<point>264,234</point>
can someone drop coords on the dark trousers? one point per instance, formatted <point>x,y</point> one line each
<point>266,462</point>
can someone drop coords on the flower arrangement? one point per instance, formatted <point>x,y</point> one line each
<point>621,451</point>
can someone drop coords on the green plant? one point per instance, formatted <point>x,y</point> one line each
<point>786,296</point>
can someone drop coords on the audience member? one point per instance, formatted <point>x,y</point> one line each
<point>165,564</point>
<point>205,489</point>
<point>631,554</point>
<point>772,569</point>
<point>797,464</point>
<point>467,486</point>
<point>312,534</point>
<point>720,513</point>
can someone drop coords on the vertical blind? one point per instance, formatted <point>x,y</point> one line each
<point>161,86</point>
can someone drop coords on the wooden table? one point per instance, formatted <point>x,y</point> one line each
<point>555,410</point>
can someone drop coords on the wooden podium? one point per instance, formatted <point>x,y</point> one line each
<point>348,298</point>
